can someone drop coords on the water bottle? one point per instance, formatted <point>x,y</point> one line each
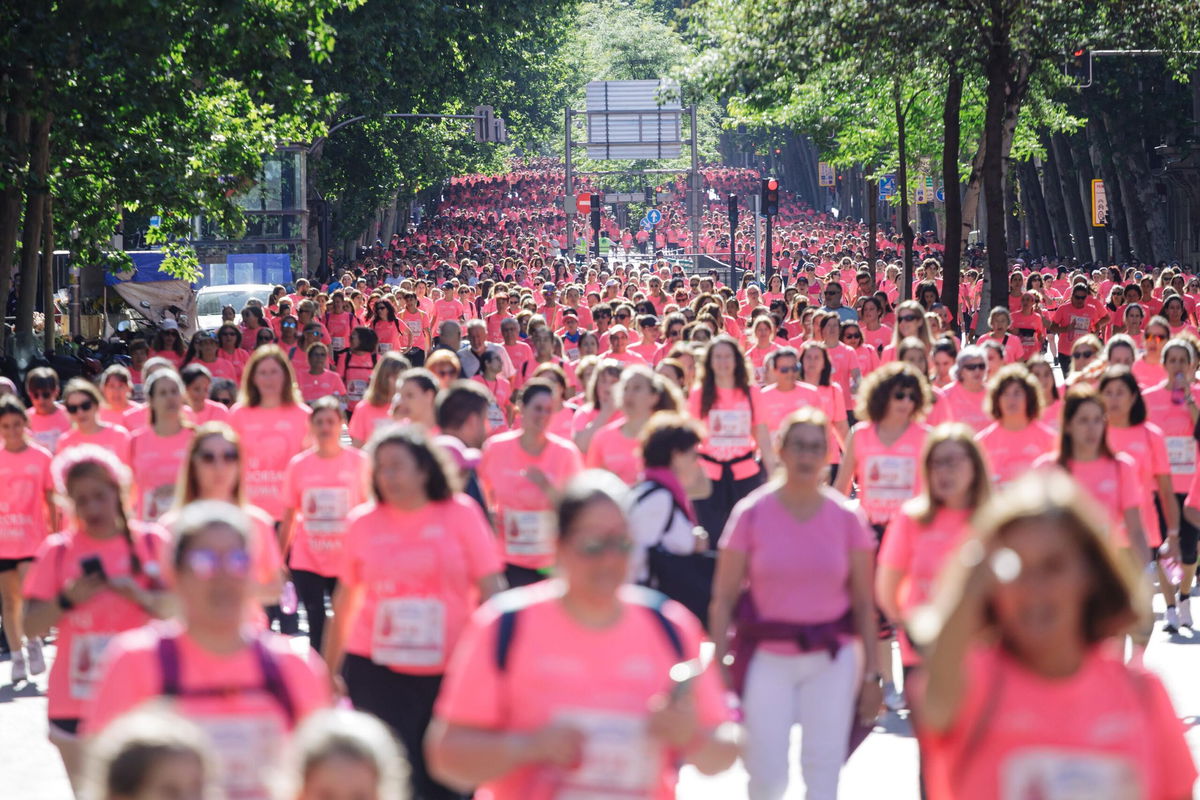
<point>287,598</point>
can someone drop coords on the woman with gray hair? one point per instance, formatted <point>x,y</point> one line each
<point>965,397</point>
<point>246,690</point>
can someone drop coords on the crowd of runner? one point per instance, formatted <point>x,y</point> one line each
<point>561,526</point>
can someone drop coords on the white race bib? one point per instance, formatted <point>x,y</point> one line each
<point>325,509</point>
<point>409,632</point>
<point>1080,324</point>
<point>729,428</point>
<point>355,389</point>
<point>87,651</point>
<point>339,343</point>
<point>247,746</point>
<point>1067,775</point>
<point>891,477</point>
<point>1181,453</point>
<point>384,347</point>
<point>414,326</point>
<point>620,761</point>
<point>47,439</point>
<point>157,502</point>
<point>495,416</point>
<point>529,533</point>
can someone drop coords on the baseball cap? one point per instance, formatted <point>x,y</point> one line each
<point>169,325</point>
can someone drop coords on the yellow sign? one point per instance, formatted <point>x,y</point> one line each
<point>1099,204</point>
<point>825,175</point>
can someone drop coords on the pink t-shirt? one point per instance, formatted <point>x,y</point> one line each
<point>729,431</point>
<point>775,405</point>
<point>599,681</point>
<point>1147,374</point>
<point>314,387</point>
<point>212,412</point>
<point>1175,421</point>
<point>797,570</point>
<point>156,462</point>
<point>612,450</point>
<point>112,438</point>
<point>138,417</point>
<point>887,476</point>
<point>1011,453</point>
<point>1107,731</point>
<point>270,438</point>
<point>845,362</point>
<point>46,429</point>
<point>524,515</point>
<point>1011,343</point>
<point>26,479</point>
<point>225,368</point>
<point>1147,448</point>
<point>366,418</point>
<point>323,491</point>
<point>85,630</point>
<point>1112,483</point>
<point>966,407</point>
<point>224,695</point>
<point>420,571</point>
<point>116,416</point>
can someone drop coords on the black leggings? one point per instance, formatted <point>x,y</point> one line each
<point>713,511</point>
<point>313,590</point>
<point>405,704</point>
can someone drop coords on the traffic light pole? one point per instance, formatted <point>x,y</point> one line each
<point>770,255</point>
<point>733,223</point>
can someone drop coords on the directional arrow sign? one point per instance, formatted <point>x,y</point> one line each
<point>654,216</point>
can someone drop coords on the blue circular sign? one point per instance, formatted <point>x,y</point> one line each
<point>654,216</point>
<point>941,194</point>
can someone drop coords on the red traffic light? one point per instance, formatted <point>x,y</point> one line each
<point>1080,53</point>
<point>772,184</point>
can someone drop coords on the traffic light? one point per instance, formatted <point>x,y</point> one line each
<point>770,197</point>
<point>733,211</point>
<point>1079,67</point>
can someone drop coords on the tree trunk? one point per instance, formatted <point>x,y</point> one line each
<point>1069,185</point>
<point>970,198</point>
<point>1086,172</point>
<point>48,287</point>
<point>1102,154</point>
<point>1132,199</point>
<point>1012,219</point>
<point>906,230</point>
<point>16,125</point>
<point>31,237</point>
<point>996,70</point>
<point>951,136</point>
<point>1052,189</point>
<point>872,223</point>
<point>1036,214</point>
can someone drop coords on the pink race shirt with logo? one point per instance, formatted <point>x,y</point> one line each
<point>887,476</point>
<point>729,431</point>
<point>1011,453</point>
<point>26,479</point>
<point>156,462</point>
<point>270,438</point>
<point>323,492</point>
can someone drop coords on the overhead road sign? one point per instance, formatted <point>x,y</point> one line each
<point>634,120</point>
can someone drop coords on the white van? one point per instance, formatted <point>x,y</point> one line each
<point>211,299</point>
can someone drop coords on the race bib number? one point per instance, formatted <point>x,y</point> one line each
<point>385,347</point>
<point>1081,324</point>
<point>529,533</point>
<point>1064,775</point>
<point>409,632</point>
<point>325,509</point>
<point>247,746</point>
<point>495,416</point>
<point>414,327</point>
<point>729,428</point>
<point>355,389</point>
<point>619,759</point>
<point>572,353</point>
<point>1181,453</point>
<point>1028,336</point>
<point>47,439</point>
<point>87,652</point>
<point>339,343</point>
<point>891,478</point>
<point>158,501</point>
<point>760,374</point>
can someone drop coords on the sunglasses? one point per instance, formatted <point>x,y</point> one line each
<point>41,395</point>
<point>852,336</point>
<point>1079,297</point>
<point>832,292</point>
<point>899,396</point>
<point>599,547</point>
<point>974,367</point>
<point>908,318</point>
<point>288,325</point>
<point>86,405</point>
<point>209,457</point>
<point>206,563</point>
<point>622,316</point>
<point>1083,354</point>
<point>1155,337</point>
<point>787,370</point>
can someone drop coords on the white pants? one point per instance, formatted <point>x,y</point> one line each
<point>810,689</point>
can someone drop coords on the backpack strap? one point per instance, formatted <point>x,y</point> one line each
<point>655,487</point>
<point>168,666</point>
<point>273,682</point>
<point>506,627</point>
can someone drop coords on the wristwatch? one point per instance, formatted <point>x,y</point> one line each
<point>64,602</point>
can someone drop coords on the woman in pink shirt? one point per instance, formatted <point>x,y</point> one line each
<point>100,576</point>
<point>512,718</point>
<point>27,511</point>
<point>910,321</point>
<point>82,401</point>
<point>816,371</point>
<point>321,486</point>
<point>229,339</point>
<point>415,400</point>
<point>500,410</point>
<point>1018,437</point>
<point>1111,478</point>
<point>617,446</point>
<point>116,386</point>
<point>522,473</point>
<point>601,407</point>
<point>763,344</point>
<point>168,343</point>
<point>847,370</point>
<point>246,689</point>
<point>203,350</point>
<point>562,415</point>
<point>1025,666</point>
<point>882,451</point>
<point>870,314</point>
<point>965,397</point>
<point>197,381</point>
<point>1042,368</point>
<point>1130,433</point>
<point>1149,367</point>
<point>999,323</point>
<point>416,562</point>
<point>375,409</point>
<point>930,527</point>
<point>737,450</point>
<point>48,420</point>
<point>317,381</point>
<point>156,451</point>
<point>794,578</point>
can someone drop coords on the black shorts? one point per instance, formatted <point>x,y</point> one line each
<point>12,563</point>
<point>66,726</point>
<point>1189,536</point>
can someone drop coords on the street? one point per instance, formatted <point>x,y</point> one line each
<point>884,767</point>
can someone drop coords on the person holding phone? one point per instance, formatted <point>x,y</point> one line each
<point>97,578</point>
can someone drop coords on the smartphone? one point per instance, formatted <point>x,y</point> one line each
<point>682,675</point>
<point>92,566</point>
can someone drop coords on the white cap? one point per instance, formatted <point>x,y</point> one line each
<point>169,325</point>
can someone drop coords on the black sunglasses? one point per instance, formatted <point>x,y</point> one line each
<point>86,405</point>
<point>908,318</point>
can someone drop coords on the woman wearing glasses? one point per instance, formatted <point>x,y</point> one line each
<point>1017,437</point>
<point>82,401</point>
<point>416,561</point>
<point>852,336</point>
<point>964,398</point>
<point>246,689</point>
<point>204,350</point>
<point>796,565</point>
<point>1073,320</point>
<point>1148,369</point>
<point>512,719</point>
<point>1084,352</point>
<point>229,338</point>
<point>910,321</point>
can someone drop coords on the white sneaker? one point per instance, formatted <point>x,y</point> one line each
<point>1185,612</point>
<point>37,662</point>
<point>19,672</point>
<point>1171,625</point>
<point>893,698</point>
